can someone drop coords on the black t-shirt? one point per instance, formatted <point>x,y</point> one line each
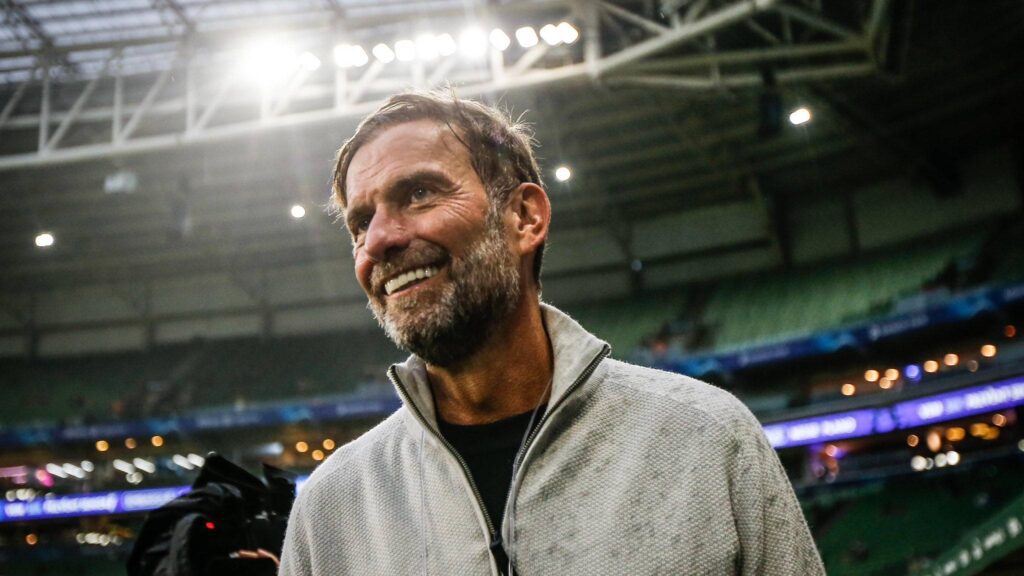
<point>490,450</point>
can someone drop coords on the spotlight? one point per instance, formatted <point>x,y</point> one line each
<point>308,61</point>
<point>499,39</point>
<point>44,240</point>
<point>269,61</point>
<point>350,56</point>
<point>871,375</point>
<point>405,50</point>
<point>426,47</point>
<point>383,53</point>
<point>102,445</point>
<point>527,37</point>
<point>931,366</point>
<point>849,389</point>
<point>567,32</point>
<point>550,34</point>
<point>951,359</point>
<point>892,374</point>
<point>301,447</point>
<point>988,350</point>
<point>473,43</point>
<point>912,372</point>
<point>298,211</point>
<point>562,173</point>
<point>800,116</point>
<point>446,45</point>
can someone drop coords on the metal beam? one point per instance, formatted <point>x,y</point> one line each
<point>72,114</point>
<point>13,102</point>
<point>817,22</point>
<point>144,107</point>
<point>719,19</point>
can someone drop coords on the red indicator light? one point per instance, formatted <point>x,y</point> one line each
<point>210,526</point>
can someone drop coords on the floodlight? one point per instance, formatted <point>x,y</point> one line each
<point>44,240</point>
<point>562,173</point>
<point>269,61</point>
<point>350,55</point>
<point>499,39</point>
<point>526,36</point>
<point>800,116</point>
<point>473,43</point>
<point>298,211</point>
<point>446,45</point>
<point>550,34</point>
<point>426,47</point>
<point>405,50</point>
<point>567,32</point>
<point>383,53</point>
<point>308,61</point>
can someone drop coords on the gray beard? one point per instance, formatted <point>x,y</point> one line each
<point>448,325</point>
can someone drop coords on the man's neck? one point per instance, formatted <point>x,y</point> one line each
<point>508,376</point>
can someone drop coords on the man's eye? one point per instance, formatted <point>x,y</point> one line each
<point>419,194</point>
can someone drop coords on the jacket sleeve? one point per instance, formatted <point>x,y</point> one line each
<point>295,555</point>
<point>773,535</point>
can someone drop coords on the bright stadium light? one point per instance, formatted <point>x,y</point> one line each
<point>800,116</point>
<point>308,61</point>
<point>550,34</point>
<point>269,61</point>
<point>499,39</point>
<point>446,45</point>
<point>567,32</point>
<point>350,56</point>
<point>298,211</point>
<point>473,43</point>
<point>562,173</point>
<point>44,240</point>
<point>405,50</point>
<point>526,36</point>
<point>383,53</point>
<point>426,47</point>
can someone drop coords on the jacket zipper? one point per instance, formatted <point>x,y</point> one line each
<point>495,535</point>
<point>551,409</point>
<point>393,375</point>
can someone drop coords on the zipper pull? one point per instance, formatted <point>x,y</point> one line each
<point>500,556</point>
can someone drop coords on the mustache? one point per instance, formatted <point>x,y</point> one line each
<point>415,256</point>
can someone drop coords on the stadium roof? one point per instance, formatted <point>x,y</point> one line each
<point>656,108</point>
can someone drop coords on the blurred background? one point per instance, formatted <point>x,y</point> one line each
<point>814,205</point>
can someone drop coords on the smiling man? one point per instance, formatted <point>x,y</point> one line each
<point>520,447</point>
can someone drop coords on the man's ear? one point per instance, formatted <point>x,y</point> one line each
<point>531,216</point>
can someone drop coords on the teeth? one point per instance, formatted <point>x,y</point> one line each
<point>398,282</point>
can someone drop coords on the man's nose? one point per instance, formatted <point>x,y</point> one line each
<point>387,234</point>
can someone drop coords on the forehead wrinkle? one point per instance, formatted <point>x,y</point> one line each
<point>438,145</point>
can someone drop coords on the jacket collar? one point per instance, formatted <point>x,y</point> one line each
<point>574,349</point>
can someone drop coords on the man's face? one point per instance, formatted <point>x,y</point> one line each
<point>431,253</point>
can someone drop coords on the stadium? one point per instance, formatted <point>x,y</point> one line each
<point>815,206</point>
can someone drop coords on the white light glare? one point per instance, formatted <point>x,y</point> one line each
<point>383,53</point>
<point>499,39</point>
<point>446,45</point>
<point>123,466</point>
<point>144,465</point>
<point>567,32</point>
<point>562,173</point>
<point>196,459</point>
<point>551,35</point>
<point>526,36</point>
<point>182,461</point>
<point>56,470</point>
<point>918,463</point>
<point>952,457</point>
<point>800,116</point>
<point>298,211</point>
<point>74,470</point>
<point>350,55</point>
<point>426,47</point>
<point>269,61</point>
<point>88,466</point>
<point>473,43</point>
<point>405,50</point>
<point>308,61</point>
<point>44,240</point>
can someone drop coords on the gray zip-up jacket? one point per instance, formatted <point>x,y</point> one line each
<point>631,471</point>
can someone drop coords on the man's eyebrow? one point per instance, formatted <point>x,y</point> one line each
<point>424,176</point>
